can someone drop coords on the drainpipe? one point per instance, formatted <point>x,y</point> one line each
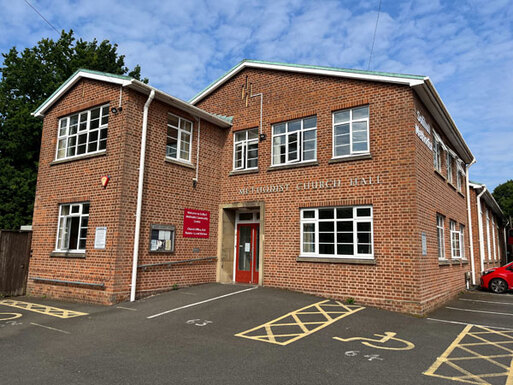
<point>470,233</point>
<point>140,195</point>
<point>480,224</point>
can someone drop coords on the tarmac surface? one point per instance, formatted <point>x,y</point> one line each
<point>235,334</point>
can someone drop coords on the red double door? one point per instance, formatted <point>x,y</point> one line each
<point>246,266</point>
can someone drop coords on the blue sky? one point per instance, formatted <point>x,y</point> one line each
<point>464,46</point>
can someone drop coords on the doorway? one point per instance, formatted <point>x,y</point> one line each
<point>247,261</point>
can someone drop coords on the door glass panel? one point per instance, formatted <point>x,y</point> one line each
<point>244,248</point>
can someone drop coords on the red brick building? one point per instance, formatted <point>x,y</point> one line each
<point>340,183</point>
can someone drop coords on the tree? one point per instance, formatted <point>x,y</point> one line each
<point>28,79</point>
<point>503,194</point>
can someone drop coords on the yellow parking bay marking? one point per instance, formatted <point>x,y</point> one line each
<point>42,309</point>
<point>300,323</point>
<point>475,348</point>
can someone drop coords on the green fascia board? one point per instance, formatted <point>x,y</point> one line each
<point>72,76</point>
<point>314,67</point>
<point>229,119</point>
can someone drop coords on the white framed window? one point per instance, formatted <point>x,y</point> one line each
<point>295,141</point>
<point>459,177</point>
<point>494,237</point>
<point>245,149</point>
<point>351,132</point>
<point>83,133</point>
<point>179,138</point>
<point>455,240</point>
<point>437,156</point>
<point>72,227</point>
<point>488,244</point>
<point>337,232</point>
<point>440,233</point>
<point>462,240</point>
<point>449,162</point>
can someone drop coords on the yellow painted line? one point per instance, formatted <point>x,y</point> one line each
<point>331,311</point>
<point>474,332</point>
<point>42,309</point>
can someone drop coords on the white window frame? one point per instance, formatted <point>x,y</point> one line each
<point>462,241</point>
<point>458,180</point>
<point>350,122</point>
<point>437,156</point>
<point>455,240</point>
<point>62,224</point>
<point>244,144</point>
<point>449,167</point>
<point>64,135</point>
<point>493,237</point>
<point>300,141</point>
<point>180,131</point>
<point>440,235</point>
<point>488,244</point>
<point>355,220</point>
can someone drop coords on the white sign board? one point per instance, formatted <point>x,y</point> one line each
<point>100,238</point>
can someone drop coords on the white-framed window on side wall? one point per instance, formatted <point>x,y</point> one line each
<point>440,234</point>
<point>337,232</point>
<point>295,141</point>
<point>179,138</point>
<point>72,227</point>
<point>437,156</point>
<point>449,162</point>
<point>83,133</point>
<point>351,132</point>
<point>455,240</point>
<point>488,243</point>
<point>462,241</point>
<point>493,238</point>
<point>245,149</point>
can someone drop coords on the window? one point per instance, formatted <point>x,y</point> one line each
<point>72,231</point>
<point>295,141</point>
<point>162,238</point>
<point>351,131</point>
<point>179,138</point>
<point>83,133</point>
<point>488,245</point>
<point>458,180</point>
<point>437,156</point>
<point>449,160</point>
<point>245,149</point>
<point>455,241</point>
<point>462,240</point>
<point>440,221</point>
<point>340,232</point>
<point>494,237</point>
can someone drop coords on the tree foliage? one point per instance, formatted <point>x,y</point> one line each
<point>28,79</point>
<point>503,194</point>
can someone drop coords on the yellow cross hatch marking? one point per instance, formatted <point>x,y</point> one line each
<point>42,309</point>
<point>465,343</point>
<point>299,323</point>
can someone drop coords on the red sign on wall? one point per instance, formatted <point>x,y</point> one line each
<point>196,223</point>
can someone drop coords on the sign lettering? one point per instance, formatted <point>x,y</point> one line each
<point>196,223</point>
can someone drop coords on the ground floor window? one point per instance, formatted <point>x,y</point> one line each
<point>455,240</point>
<point>440,220</point>
<point>337,232</point>
<point>72,231</point>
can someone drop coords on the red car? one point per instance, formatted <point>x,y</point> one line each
<point>498,279</point>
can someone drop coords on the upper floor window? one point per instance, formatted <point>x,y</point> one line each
<point>338,232</point>
<point>437,155</point>
<point>83,133</point>
<point>351,131</point>
<point>179,138</point>
<point>245,149</point>
<point>449,161</point>
<point>459,177</point>
<point>72,231</point>
<point>295,141</point>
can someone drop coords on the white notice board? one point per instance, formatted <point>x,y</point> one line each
<point>100,238</point>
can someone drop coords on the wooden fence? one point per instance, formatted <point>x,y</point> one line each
<point>14,261</point>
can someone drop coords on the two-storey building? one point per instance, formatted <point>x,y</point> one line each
<point>340,183</point>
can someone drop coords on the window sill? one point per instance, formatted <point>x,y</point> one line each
<point>350,158</point>
<point>243,172</point>
<point>452,185</point>
<point>355,261</point>
<point>79,157</point>
<point>444,262</point>
<point>64,254</point>
<point>439,173</point>
<point>292,165</point>
<point>459,192</point>
<point>180,163</point>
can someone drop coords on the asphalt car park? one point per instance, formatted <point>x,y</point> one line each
<point>225,334</point>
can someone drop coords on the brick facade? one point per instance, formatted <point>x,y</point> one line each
<point>405,202</point>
